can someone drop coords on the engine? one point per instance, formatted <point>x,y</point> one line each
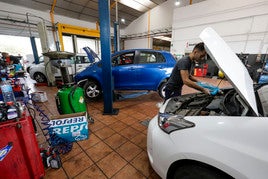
<point>227,103</point>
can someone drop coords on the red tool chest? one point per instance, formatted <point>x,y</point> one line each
<point>23,160</point>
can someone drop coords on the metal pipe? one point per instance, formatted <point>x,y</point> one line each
<point>27,17</point>
<point>117,28</point>
<point>148,32</point>
<point>52,21</point>
<point>116,11</point>
<point>32,39</point>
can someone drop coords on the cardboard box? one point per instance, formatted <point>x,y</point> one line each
<point>70,127</point>
<point>39,96</point>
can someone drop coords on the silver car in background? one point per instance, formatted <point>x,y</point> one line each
<point>77,63</point>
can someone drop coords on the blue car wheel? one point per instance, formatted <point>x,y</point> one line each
<point>93,90</point>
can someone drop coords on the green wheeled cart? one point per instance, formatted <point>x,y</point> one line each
<point>71,100</point>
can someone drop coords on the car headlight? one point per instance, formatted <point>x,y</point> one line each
<point>169,122</point>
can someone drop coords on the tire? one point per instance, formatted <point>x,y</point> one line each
<point>93,91</point>
<point>198,172</point>
<point>28,69</point>
<point>161,89</point>
<point>40,77</point>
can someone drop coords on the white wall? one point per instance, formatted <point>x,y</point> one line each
<point>158,18</point>
<point>242,23</point>
<point>138,43</point>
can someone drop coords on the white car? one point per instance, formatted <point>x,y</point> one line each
<point>220,136</point>
<point>38,71</point>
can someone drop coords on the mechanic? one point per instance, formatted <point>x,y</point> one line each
<point>181,73</point>
<point>255,69</point>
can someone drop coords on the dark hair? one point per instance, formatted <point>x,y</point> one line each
<point>200,46</point>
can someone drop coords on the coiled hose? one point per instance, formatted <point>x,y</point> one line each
<point>59,145</point>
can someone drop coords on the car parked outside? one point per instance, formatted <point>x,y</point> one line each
<point>38,71</point>
<point>133,69</point>
<point>206,136</point>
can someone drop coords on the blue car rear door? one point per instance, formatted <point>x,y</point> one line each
<point>150,70</point>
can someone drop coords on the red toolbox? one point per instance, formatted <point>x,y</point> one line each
<point>19,150</point>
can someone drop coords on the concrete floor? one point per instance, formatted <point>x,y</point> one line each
<point>116,147</point>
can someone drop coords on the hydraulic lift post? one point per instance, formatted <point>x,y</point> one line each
<point>104,14</point>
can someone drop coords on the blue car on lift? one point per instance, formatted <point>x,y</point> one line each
<point>133,69</point>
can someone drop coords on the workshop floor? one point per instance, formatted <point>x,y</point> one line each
<point>116,147</point>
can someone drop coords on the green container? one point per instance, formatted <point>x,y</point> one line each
<point>71,100</point>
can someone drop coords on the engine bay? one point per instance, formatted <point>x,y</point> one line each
<point>226,103</point>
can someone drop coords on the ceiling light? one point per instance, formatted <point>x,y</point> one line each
<point>177,3</point>
<point>123,21</point>
<point>146,3</point>
<point>140,5</point>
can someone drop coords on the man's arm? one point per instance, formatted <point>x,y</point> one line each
<point>187,81</point>
<point>193,78</point>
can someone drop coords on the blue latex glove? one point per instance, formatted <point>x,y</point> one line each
<point>213,89</point>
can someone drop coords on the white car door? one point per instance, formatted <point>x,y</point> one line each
<point>81,62</point>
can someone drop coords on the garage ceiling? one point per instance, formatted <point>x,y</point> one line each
<point>14,23</point>
<point>86,10</point>
<point>83,9</point>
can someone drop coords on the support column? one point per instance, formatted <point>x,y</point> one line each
<point>75,50</point>
<point>104,15</point>
<point>74,40</point>
<point>116,37</point>
<point>45,48</point>
<point>35,53</point>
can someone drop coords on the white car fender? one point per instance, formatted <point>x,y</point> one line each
<point>225,139</point>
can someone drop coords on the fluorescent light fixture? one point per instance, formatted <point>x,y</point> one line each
<point>139,5</point>
<point>177,3</point>
<point>163,38</point>
<point>146,3</point>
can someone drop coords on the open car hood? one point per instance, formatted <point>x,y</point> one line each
<point>93,57</point>
<point>231,65</point>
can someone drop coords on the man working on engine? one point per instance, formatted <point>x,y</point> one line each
<point>181,73</point>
